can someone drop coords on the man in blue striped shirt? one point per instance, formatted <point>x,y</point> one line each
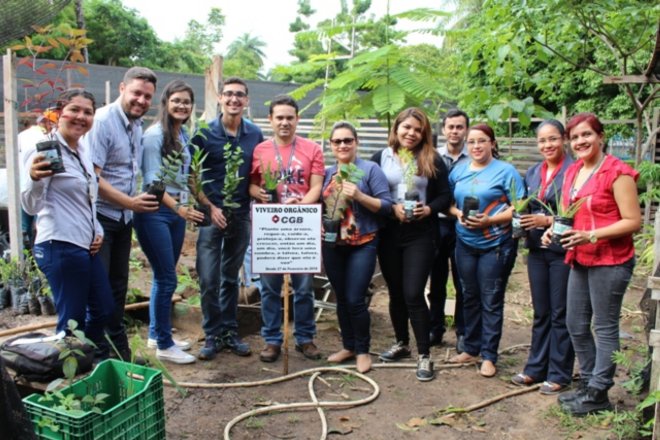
<point>115,143</point>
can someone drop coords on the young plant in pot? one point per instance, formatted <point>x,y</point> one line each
<point>233,161</point>
<point>336,203</point>
<point>272,179</point>
<point>411,196</point>
<point>5,292</point>
<point>170,174</point>
<point>562,218</point>
<point>520,206</point>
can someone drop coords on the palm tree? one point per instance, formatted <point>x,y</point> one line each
<point>247,46</point>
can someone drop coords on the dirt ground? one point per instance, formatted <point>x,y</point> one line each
<point>404,409</point>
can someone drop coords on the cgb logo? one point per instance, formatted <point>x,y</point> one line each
<point>275,219</point>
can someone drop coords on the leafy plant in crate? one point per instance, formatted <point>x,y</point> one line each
<point>336,203</point>
<point>411,197</point>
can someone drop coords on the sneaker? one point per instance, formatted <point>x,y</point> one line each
<point>309,350</point>
<point>230,341</point>
<point>396,352</point>
<point>523,380</point>
<point>270,353</point>
<point>182,345</point>
<point>551,388</point>
<point>425,368</point>
<point>175,354</point>
<point>211,347</point>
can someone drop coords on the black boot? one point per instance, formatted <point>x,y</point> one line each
<point>594,400</point>
<point>580,389</point>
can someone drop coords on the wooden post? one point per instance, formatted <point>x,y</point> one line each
<point>11,155</point>
<point>285,317</point>
<point>108,97</point>
<point>213,78</point>
<point>655,362</point>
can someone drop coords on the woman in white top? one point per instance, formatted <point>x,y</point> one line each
<point>68,233</point>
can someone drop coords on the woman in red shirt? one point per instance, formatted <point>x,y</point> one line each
<point>602,257</point>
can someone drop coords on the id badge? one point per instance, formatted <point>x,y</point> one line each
<point>135,167</point>
<point>183,197</point>
<point>400,191</point>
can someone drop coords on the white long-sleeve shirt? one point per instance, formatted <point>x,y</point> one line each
<point>65,203</point>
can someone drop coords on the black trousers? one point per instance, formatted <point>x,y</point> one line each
<point>115,254</point>
<point>405,254</point>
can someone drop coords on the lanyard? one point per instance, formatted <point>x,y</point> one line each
<point>545,182</point>
<point>278,156</point>
<point>88,177</point>
<point>574,190</point>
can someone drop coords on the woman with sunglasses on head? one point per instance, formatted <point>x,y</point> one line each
<point>351,261</point>
<point>406,247</point>
<point>601,253</point>
<point>551,355</point>
<point>161,233</point>
<point>485,249</point>
<point>68,234</point>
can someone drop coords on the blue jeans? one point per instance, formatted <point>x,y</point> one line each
<point>551,355</point>
<point>349,269</point>
<point>161,237</point>
<point>484,274</point>
<point>437,297</point>
<point>115,254</point>
<point>303,308</point>
<point>596,292</point>
<point>80,287</point>
<point>220,254</point>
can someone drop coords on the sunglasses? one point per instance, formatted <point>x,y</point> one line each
<point>345,141</point>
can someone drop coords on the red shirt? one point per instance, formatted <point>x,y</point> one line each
<point>599,210</point>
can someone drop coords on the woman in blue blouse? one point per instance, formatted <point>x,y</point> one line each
<point>351,262</point>
<point>551,355</point>
<point>161,233</point>
<point>485,251</point>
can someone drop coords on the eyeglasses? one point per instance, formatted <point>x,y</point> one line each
<point>231,94</point>
<point>345,141</point>
<point>550,140</point>
<point>473,142</point>
<point>183,102</point>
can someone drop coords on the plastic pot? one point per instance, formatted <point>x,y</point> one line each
<point>410,200</point>
<point>47,305</point>
<point>157,188</point>
<point>331,231</point>
<point>517,230</point>
<point>272,195</point>
<point>206,210</point>
<point>559,226</point>
<point>470,206</point>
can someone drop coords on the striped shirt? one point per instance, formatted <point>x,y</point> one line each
<point>115,146</point>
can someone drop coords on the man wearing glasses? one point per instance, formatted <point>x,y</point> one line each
<point>222,245</point>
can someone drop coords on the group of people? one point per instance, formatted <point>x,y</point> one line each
<point>414,210</point>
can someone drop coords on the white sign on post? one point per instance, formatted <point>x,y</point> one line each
<point>286,238</point>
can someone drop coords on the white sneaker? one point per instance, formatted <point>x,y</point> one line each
<point>182,345</point>
<point>175,354</point>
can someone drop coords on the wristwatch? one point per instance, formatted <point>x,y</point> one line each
<point>592,237</point>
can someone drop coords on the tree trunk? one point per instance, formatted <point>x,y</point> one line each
<point>80,21</point>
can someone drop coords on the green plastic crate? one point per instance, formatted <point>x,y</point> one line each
<point>134,409</point>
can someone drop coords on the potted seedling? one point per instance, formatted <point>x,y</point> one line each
<point>157,188</point>
<point>272,179</point>
<point>471,203</point>
<point>5,292</point>
<point>336,203</point>
<point>562,216</point>
<point>191,182</point>
<point>411,196</point>
<point>233,160</point>
<point>520,206</point>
